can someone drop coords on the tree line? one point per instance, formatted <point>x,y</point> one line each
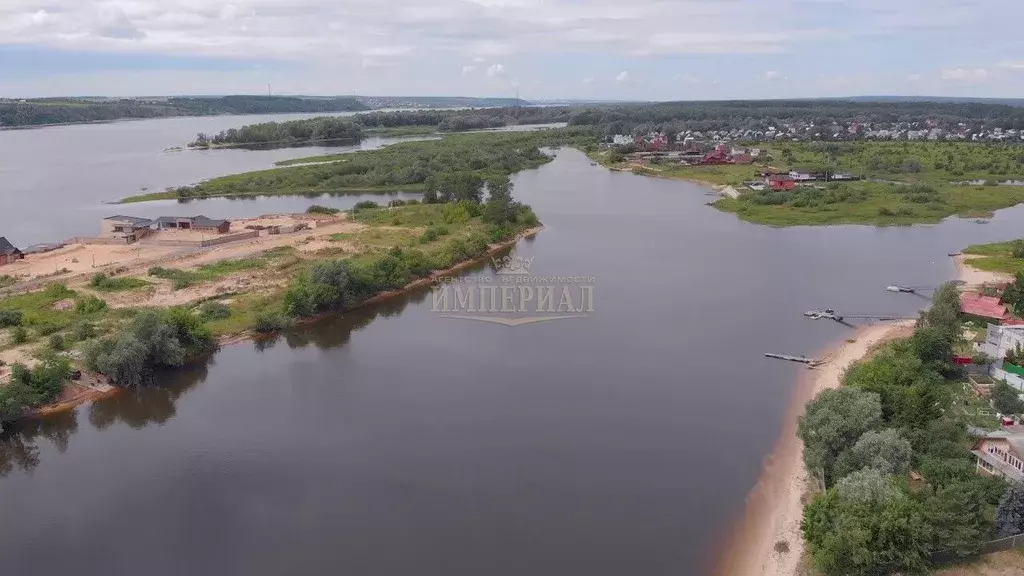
<point>40,111</point>
<point>351,128</point>
<point>895,414</point>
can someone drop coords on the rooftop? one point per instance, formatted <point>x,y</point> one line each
<point>131,219</point>
<point>985,306</point>
<point>6,247</point>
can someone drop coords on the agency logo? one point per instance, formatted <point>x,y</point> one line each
<point>512,295</point>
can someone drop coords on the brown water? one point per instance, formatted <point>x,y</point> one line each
<point>394,441</point>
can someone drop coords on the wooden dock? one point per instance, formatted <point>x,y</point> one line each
<point>811,362</point>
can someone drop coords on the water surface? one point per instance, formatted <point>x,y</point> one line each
<point>394,441</point>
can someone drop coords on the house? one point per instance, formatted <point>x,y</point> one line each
<point>986,307</point>
<point>200,223</point>
<point>1001,453</point>
<point>129,228</point>
<point>8,253</point>
<point>999,341</point>
<point>781,182</point>
<point>801,176</point>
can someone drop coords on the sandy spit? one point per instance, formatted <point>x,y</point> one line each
<point>775,505</point>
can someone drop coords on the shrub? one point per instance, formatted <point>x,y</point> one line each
<point>214,311</point>
<point>57,343</point>
<point>365,205</point>
<point>19,335</point>
<point>154,339</point>
<point>47,328</point>
<point>500,233</point>
<point>106,283</point>
<point>267,322</point>
<point>1018,249</point>
<point>433,232</point>
<point>89,305</point>
<point>412,202</point>
<point>7,280</point>
<point>58,291</point>
<point>83,331</point>
<point>318,209</point>
<point>10,318</point>
<point>883,211</point>
<point>396,203</point>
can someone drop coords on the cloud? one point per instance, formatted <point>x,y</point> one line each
<point>772,75</point>
<point>466,70</point>
<point>479,60</point>
<point>913,78</point>
<point>622,77</point>
<point>965,75</point>
<point>1015,66</point>
<point>495,70</point>
<point>588,80</point>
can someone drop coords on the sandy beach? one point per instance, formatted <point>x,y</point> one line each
<point>768,540</point>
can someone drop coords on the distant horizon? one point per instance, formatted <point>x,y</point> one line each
<point>567,100</point>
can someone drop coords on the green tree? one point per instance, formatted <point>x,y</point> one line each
<point>832,424</point>
<point>1006,398</point>
<point>885,451</point>
<point>866,525</point>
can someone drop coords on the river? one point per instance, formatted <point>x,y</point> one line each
<point>396,441</point>
<point>57,181</point>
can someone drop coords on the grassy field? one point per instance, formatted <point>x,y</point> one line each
<point>905,182</point>
<point>1005,257</point>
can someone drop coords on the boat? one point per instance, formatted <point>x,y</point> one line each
<point>954,254</point>
<point>898,288</point>
<point>980,221</point>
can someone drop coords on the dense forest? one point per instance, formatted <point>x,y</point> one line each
<point>34,112</point>
<point>351,128</point>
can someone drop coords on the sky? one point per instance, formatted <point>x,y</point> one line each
<point>540,49</point>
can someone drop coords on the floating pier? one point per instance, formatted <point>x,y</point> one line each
<point>810,362</point>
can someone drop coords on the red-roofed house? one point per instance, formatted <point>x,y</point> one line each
<point>987,307</point>
<point>781,182</point>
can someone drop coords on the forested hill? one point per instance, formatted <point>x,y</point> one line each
<point>42,111</point>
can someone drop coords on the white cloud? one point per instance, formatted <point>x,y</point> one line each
<point>588,80</point>
<point>495,70</point>
<point>772,75</point>
<point>622,76</point>
<point>467,70</point>
<point>913,78</point>
<point>965,75</point>
<point>1016,66</point>
<point>479,60</point>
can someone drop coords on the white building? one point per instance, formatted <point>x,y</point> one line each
<point>622,140</point>
<point>998,341</point>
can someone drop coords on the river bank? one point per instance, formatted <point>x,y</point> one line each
<point>96,386</point>
<point>768,540</point>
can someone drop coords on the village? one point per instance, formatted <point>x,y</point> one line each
<point>804,131</point>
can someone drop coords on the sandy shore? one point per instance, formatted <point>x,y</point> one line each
<point>975,277</point>
<point>775,505</point>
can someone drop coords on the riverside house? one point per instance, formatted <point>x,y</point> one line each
<point>1001,453</point>
<point>201,223</point>
<point>8,252</point>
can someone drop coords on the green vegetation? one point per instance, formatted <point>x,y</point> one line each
<point>907,182</point>
<point>181,279</point>
<point>407,166</point>
<point>104,283</point>
<point>291,133</point>
<point>318,209</point>
<point>154,339</point>
<point>1007,257</point>
<point>893,415</point>
<point>30,388</point>
<point>214,311</point>
<point>41,111</point>
<point>397,123</point>
<point>7,280</point>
